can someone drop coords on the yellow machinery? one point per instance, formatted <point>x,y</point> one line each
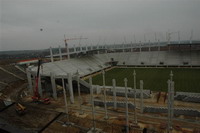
<point>20,109</point>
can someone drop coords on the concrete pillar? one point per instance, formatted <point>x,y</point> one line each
<point>40,86</point>
<point>169,106</point>
<point>69,78</point>
<point>114,93</point>
<point>65,98</point>
<point>140,46</point>
<point>141,96</point>
<point>135,112</point>
<point>126,96</point>
<point>172,100</point>
<point>60,53</point>
<point>30,84</point>
<point>51,54</point>
<point>53,84</point>
<point>104,92</point>
<point>92,101</point>
<point>79,95</point>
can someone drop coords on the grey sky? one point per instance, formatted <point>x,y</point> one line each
<point>107,21</point>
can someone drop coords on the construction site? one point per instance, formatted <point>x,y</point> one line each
<point>58,94</point>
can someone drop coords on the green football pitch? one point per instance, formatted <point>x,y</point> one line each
<point>155,79</point>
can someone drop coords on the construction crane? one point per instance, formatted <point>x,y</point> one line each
<point>36,98</point>
<point>66,45</point>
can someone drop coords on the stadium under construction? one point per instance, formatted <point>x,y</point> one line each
<point>107,88</point>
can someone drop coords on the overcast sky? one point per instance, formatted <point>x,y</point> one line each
<point>103,21</point>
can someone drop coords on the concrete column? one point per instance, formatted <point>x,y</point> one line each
<point>126,96</point>
<point>92,101</point>
<point>60,53</point>
<point>158,45</point>
<point>140,46</point>
<point>30,84</point>
<point>51,54</point>
<point>65,98</point>
<point>53,84</point>
<point>40,86</point>
<point>79,95</point>
<point>69,78</point>
<point>114,93</point>
<point>141,96</point>
<point>172,101</point>
<point>104,90</point>
<point>135,112</point>
<point>169,106</point>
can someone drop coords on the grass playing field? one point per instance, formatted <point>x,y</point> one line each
<point>155,79</point>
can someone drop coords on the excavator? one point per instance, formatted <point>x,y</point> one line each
<point>20,109</point>
<point>36,98</point>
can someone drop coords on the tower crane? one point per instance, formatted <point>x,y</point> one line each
<point>66,44</point>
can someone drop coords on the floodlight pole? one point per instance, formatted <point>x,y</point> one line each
<point>79,94</point>
<point>169,108</point>
<point>127,120</point>
<point>65,99</point>
<point>104,90</point>
<point>141,96</point>
<point>170,104</point>
<point>114,93</point>
<point>135,112</point>
<point>70,85</point>
<point>92,99</point>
